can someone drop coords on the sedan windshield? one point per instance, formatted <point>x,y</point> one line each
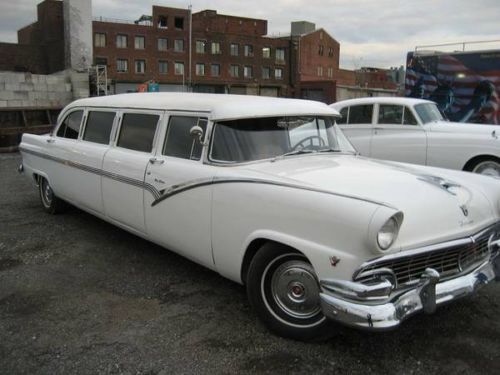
<point>247,140</point>
<point>429,112</point>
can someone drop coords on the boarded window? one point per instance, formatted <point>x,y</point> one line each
<point>70,127</point>
<point>98,128</point>
<point>138,131</point>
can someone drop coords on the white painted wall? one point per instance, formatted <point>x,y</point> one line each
<point>78,34</point>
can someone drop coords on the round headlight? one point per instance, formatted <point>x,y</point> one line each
<point>388,233</point>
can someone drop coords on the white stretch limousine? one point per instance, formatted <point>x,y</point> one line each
<point>270,194</point>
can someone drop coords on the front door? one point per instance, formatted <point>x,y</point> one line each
<point>356,124</point>
<point>180,218</point>
<point>398,136</point>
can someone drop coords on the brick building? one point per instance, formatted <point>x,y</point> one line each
<point>228,54</point>
<point>41,44</point>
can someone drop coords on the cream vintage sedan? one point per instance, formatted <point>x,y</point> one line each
<point>270,194</point>
<point>414,131</point>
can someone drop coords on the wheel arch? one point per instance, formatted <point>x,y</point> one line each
<point>252,249</point>
<point>478,158</point>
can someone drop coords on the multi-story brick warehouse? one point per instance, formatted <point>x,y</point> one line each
<point>228,54</point>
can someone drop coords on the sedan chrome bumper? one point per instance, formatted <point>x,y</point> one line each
<point>363,306</point>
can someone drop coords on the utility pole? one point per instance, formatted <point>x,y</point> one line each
<point>190,81</point>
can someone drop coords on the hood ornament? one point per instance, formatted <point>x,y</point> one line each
<point>465,210</point>
<point>441,183</point>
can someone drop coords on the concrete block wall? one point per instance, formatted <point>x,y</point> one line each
<point>26,90</point>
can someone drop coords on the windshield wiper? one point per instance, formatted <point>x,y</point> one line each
<point>330,149</point>
<point>298,152</point>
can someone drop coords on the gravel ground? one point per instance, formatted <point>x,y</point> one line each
<point>78,295</point>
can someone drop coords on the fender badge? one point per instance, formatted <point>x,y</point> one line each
<point>464,209</point>
<point>334,261</point>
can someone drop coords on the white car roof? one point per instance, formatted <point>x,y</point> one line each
<point>217,106</point>
<point>381,100</point>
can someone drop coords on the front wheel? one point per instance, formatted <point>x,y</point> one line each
<point>50,202</point>
<point>283,289</point>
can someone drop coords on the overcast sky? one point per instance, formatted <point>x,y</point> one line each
<point>371,32</point>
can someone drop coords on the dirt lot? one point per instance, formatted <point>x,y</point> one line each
<point>78,295</point>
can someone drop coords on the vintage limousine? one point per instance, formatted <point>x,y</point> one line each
<point>269,193</point>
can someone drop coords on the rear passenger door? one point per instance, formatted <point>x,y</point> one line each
<point>398,136</point>
<point>124,168</point>
<point>181,222</point>
<point>356,123</point>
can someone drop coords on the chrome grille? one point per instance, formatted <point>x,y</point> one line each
<point>448,261</point>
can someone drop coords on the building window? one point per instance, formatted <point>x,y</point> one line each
<point>248,72</point>
<point>162,22</point>
<point>235,49</point>
<point>200,69</point>
<point>320,50</point>
<point>215,70</point>
<point>179,68</point>
<point>100,40</point>
<point>121,41</point>
<point>139,42</point>
<point>280,54</point>
<point>140,66</point>
<point>266,52</point>
<point>200,46</point>
<point>266,72</point>
<point>216,48</point>
<point>163,67</point>
<point>330,52</point>
<point>162,44</point>
<point>122,65</point>
<point>179,45</point>
<point>320,71</point>
<point>179,23</point>
<point>330,72</point>
<point>248,51</point>
<point>101,61</point>
<point>234,71</point>
<point>278,73</point>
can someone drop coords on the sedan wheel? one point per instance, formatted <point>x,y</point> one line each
<point>487,168</point>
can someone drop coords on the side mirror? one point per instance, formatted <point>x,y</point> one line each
<point>197,132</point>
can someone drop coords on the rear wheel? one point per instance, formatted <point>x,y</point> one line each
<point>50,202</point>
<point>488,167</point>
<point>283,289</point>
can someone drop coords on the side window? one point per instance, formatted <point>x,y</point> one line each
<point>137,131</point>
<point>98,128</point>
<point>361,114</point>
<point>390,114</point>
<point>344,112</point>
<point>408,118</point>
<point>70,127</point>
<point>179,142</point>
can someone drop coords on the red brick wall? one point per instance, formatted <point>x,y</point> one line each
<point>311,59</point>
<point>345,77</point>
<point>22,58</point>
<point>209,20</point>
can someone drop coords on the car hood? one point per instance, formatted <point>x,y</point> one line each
<point>437,204</point>
<point>461,127</point>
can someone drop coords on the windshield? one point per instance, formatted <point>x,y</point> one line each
<point>429,112</point>
<point>247,140</point>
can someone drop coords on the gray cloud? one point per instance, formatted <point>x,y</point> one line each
<point>377,33</point>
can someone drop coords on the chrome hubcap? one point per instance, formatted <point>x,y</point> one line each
<point>46,193</point>
<point>488,168</point>
<point>295,290</point>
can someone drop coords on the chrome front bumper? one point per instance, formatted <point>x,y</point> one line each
<point>362,306</point>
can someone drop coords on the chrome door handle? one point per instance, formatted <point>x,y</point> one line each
<point>50,140</point>
<point>156,161</point>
